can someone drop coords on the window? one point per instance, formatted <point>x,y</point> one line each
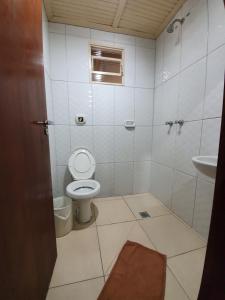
<point>106,65</point>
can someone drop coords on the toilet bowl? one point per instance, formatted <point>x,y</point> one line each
<point>82,167</point>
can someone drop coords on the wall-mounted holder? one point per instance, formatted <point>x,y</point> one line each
<point>129,124</point>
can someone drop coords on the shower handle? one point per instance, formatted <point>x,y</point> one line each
<point>180,122</point>
<point>170,123</point>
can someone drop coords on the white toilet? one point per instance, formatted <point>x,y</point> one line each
<point>82,167</point>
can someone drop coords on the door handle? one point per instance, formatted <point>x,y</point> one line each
<point>44,124</point>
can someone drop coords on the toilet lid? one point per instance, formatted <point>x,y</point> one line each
<point>81,164</point>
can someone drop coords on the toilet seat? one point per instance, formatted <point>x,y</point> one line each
<point>81,164</point>
<point>83,189</point>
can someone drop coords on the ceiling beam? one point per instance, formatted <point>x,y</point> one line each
<point>119,12</point>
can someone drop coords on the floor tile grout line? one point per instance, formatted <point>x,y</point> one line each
<point>187,252</point>
<point>74,282</point>
<point>178,281</point>
<point>99,248</point>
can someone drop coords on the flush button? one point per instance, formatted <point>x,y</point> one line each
<point>80,119</point>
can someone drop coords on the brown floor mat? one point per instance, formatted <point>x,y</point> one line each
<point>138,274</point>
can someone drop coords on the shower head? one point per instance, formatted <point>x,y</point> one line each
<point>170,28</point>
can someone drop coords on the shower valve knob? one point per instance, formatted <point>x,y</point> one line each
<point>170,123</point>
<point>180,122</point>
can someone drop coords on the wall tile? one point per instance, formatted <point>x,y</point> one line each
<point>124,39</point>
<point>103,99</point>
<point>129,64</point>
<point>142,177</point>
<point>143,106</point>
<point>80,101</point>
<point>98,35</point>
<point>146,43</point>
<point>78,59</point>
<point>210,137</point>
<point>124,104</point>
<point>161,181</point>
<point>172,49</point>
<point>194,32</point>
<point>56,28</point>
<point>78,31</point>
<point>105,175</point>
<point>183,197</point>
<point>192,91</point>
<point>63,179</point>
<point>62,143</point>
<point>203,207</point>
<point>57,48</point>
<point>210,141</point>
<point>60,102</point>
<point>104,144</point>
<point>82,137</point>
<point>163,145</point>
<point>215,83</point>
<point>124,178</point>
<point>187,145</point>
<point>216,24</point>
<point>142,143</point>
<point>169,101</point>
<point>145,67</point>
<point>48,97</point>
<point>159,59</point>
<point>124,141</point>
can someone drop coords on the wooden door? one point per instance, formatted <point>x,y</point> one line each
<point>27,234</point>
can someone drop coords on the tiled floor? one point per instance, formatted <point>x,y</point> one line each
<point>87,254</point>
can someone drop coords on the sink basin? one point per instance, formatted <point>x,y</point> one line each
<point>206,165</point>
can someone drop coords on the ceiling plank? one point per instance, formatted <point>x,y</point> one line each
<point>82,23</point>
<point>48,8</point>
<point>120,10</point>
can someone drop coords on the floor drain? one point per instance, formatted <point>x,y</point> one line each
<point>144,214</point>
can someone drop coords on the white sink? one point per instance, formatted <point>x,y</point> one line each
<point>206,165</point>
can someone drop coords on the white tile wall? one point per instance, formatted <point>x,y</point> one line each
<point>195,55</point>
<point>105,107</point>
<point>161,182</point>
<point>192,91</point>
<point>145,61</point>
<point>142,177</point>
<point>203,207</point>
<point>216,24</point>
<point>194,32</point>
<point>80,101</point>
<point>124,178</point>
<point>215,83</point>
<point>183,198</point>
<point>124,104</point>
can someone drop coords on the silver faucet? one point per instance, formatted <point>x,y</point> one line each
<point>170,123</point>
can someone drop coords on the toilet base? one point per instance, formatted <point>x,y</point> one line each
<point>83,211</point>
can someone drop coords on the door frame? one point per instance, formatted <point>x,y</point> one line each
<point>213,278</point>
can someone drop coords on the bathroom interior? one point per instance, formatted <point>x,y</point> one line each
<point>134,97</point>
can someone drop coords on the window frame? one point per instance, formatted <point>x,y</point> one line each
<point>120,60</point>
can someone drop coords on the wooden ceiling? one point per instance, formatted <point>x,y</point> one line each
<point>144,18</point>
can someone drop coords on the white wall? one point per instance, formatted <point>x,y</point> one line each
<point>123,156</point>
<point>48,92</point>
<point>189,82</point>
